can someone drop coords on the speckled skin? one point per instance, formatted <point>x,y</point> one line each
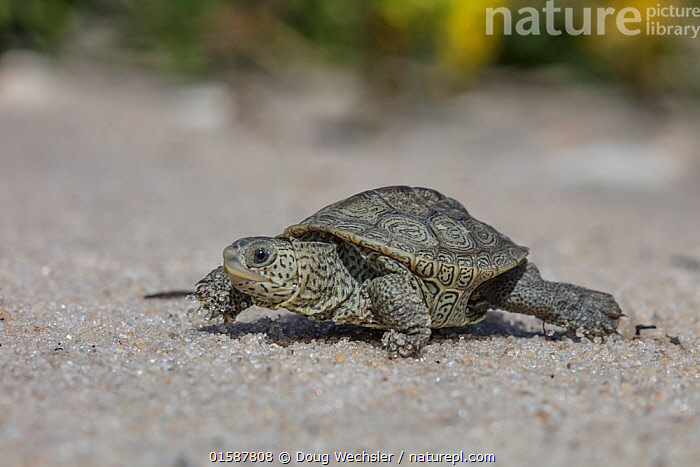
<point>401,259</point>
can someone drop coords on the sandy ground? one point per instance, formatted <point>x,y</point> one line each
<point>114,184</point>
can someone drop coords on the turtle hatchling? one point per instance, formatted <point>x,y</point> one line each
<point>406,260</point>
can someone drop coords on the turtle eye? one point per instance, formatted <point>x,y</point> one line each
<point>260,256</point>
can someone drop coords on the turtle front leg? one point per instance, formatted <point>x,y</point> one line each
<point>397,305</point>
<point>217,296</point>
<point>522,290</point>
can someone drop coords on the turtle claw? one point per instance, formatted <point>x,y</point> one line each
<point>605,312</point>
<point>596,314</point>
<point>399,344</point>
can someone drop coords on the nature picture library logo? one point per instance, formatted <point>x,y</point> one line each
<point>660,19</point>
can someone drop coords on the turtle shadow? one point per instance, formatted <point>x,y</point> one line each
<point>496,325</point>
<point>287,329</point>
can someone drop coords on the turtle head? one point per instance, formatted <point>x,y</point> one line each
<point>264,268</point>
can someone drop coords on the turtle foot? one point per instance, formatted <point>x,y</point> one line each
<point>399,344</point>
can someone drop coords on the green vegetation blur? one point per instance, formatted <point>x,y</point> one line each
<point>442,44</point>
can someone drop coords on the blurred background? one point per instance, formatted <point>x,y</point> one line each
<point>438,45</point>
<point>352,69</point>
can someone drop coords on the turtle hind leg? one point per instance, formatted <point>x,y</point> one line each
<point>522,290</point>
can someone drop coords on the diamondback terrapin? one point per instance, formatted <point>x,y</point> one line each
<point>397,258</point>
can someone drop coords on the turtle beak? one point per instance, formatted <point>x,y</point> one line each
<point>239,273</point>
